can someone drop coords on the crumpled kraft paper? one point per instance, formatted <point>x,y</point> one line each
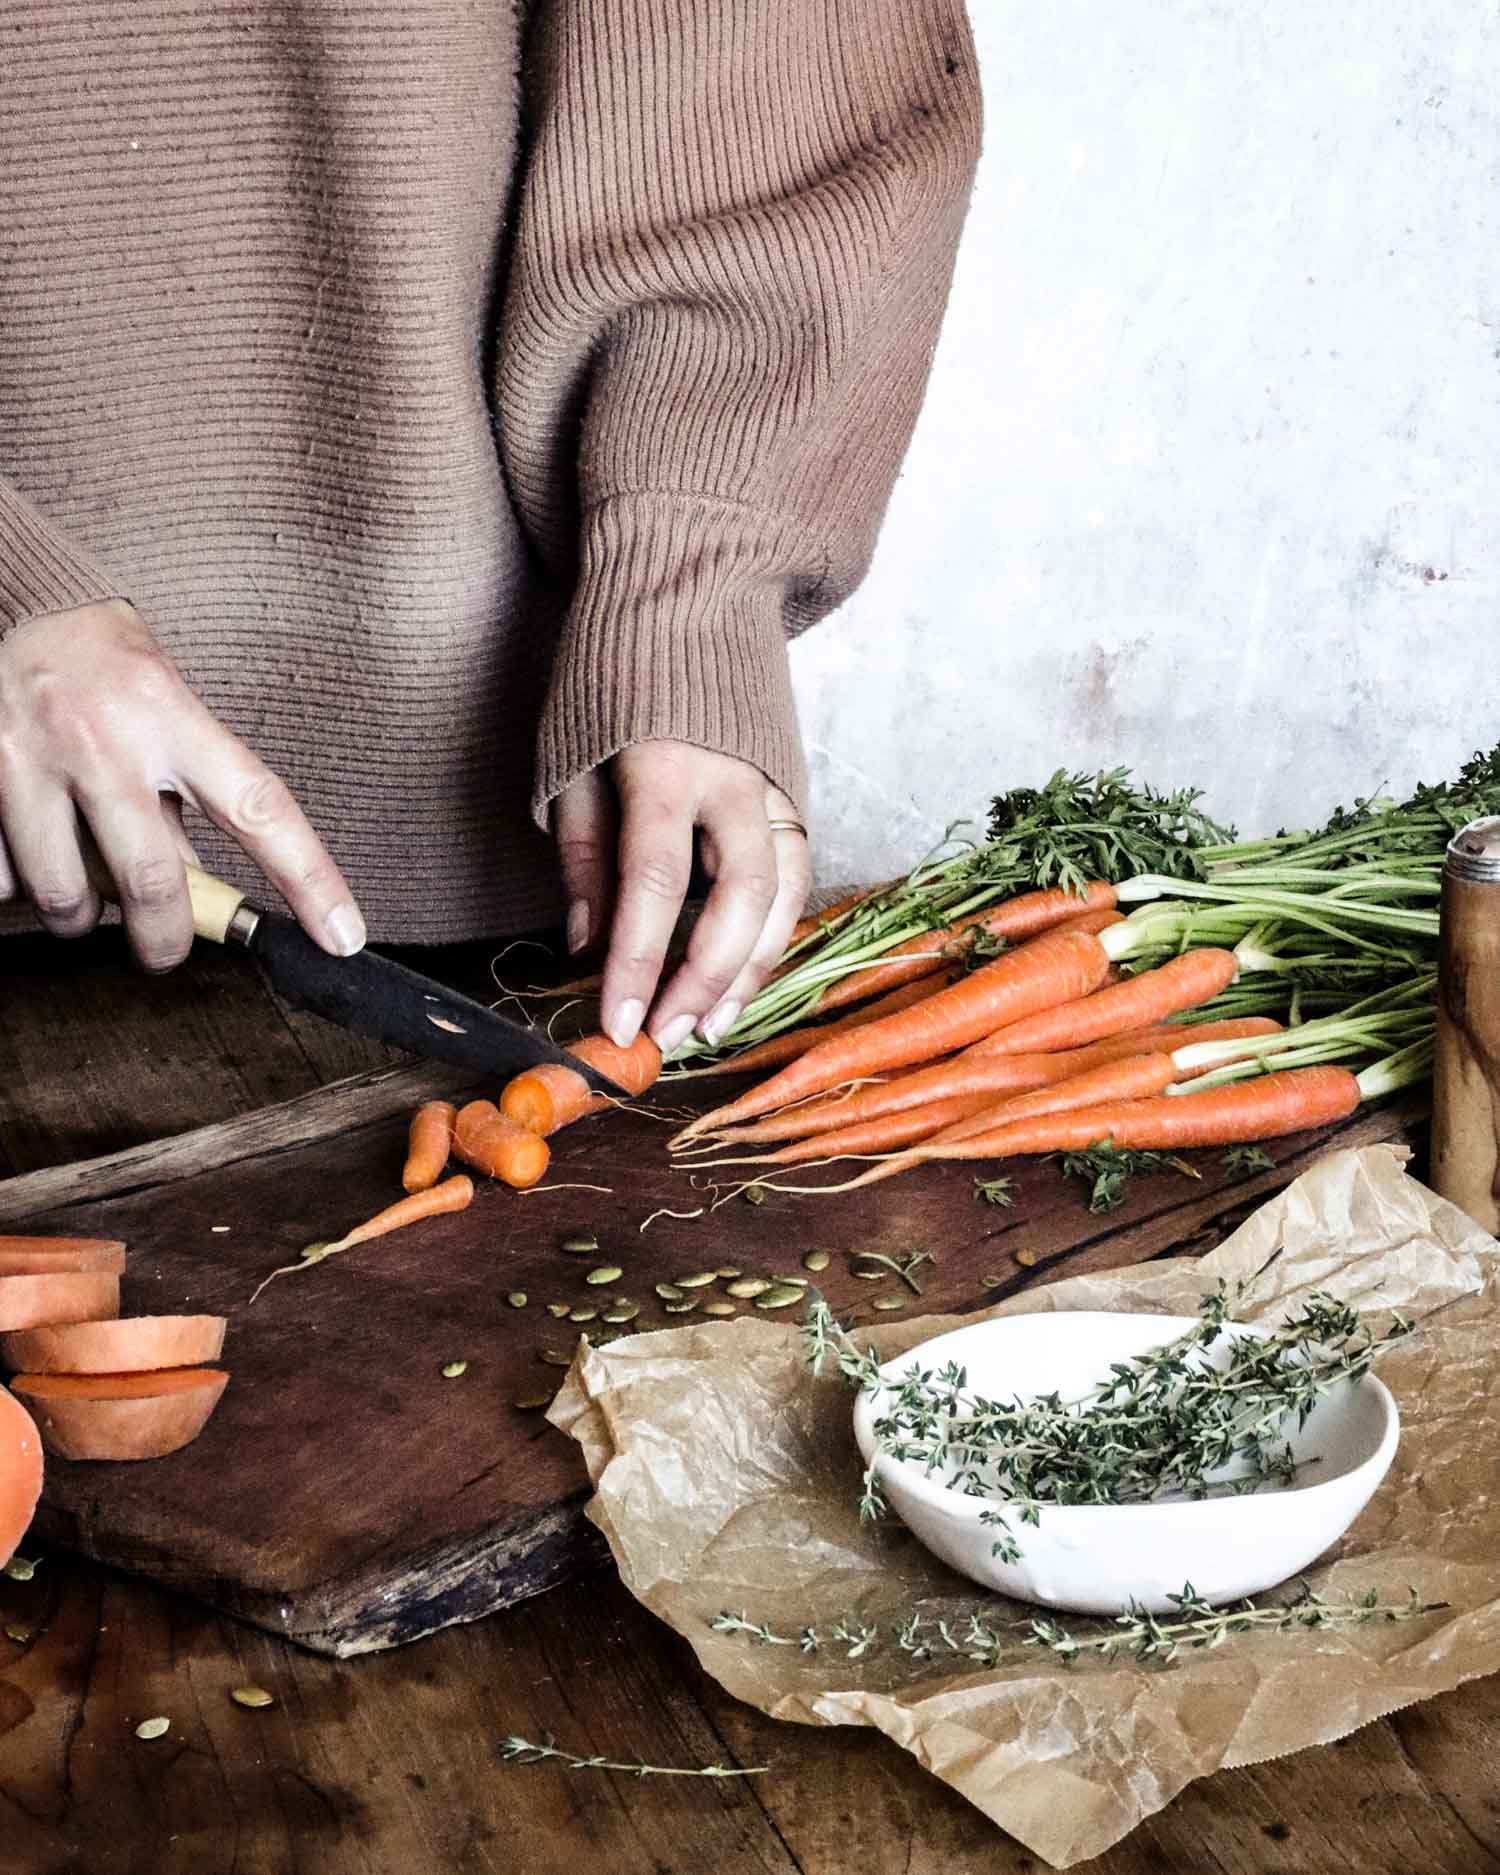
<point>727,1476</point>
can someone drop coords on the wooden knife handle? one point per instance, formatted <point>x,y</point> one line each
<point>214,905</point>
<point>1466,1068</point>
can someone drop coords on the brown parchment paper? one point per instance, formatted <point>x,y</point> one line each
<point>726,1477</point>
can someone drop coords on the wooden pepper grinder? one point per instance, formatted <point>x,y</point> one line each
<point>1466,1070</point>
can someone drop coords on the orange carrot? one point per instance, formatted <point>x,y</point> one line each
<point>815,920</point>
<point>1182,983</point>
<point>777,1050</point>
<point>1015,918</point>
<point>890,1131</point>
<point>544,1098</point>
<point>1099,919</point>
<point>1060,966</point>
<point>1263,1107</point>
<point>1135,1078</point>
<point>453,1194</point>
<point>485,1139</point>
<point>429,1141</point>
<point>973,1072</point>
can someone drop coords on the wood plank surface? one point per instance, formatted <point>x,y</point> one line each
<point>388,1765</point>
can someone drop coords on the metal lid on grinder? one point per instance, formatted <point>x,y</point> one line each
<point>1474,852</point>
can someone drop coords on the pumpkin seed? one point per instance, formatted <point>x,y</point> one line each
<point>517,1298</point>
<point>729,1272</point>
<point>679,1308</point>
<point>21,1568</point>
<point>792,1282</point>
<point>779,1296</point>
<point>531,1402</point>
<point>754,1195</point>
<point>582,1315</point>
<point>868,1276</point>
<point>888,1302</point>
<point>583,1246</point>
<point>622,1312</point>
<point>452,1369</point>
<point>719,1308</point>
<point>749,1287</point>
<point>255,1697</point>
<point>554,1357</point>
<point>606,1273</point>
<point>557,1310</point>
<point>700,1281</point>
<point>816,1260</point>
<point>669,1292</point>
<point>1027,1259</point>
<point>153,1728</point>
<point>18,1634</point>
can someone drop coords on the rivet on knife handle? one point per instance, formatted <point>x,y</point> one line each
<point>221,913</point>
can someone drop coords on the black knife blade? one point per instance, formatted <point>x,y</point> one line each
<point>375,996</point>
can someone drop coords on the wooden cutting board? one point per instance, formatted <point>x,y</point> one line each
<point>346,1494</point>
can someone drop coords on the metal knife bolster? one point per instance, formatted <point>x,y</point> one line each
<point>378,997</point>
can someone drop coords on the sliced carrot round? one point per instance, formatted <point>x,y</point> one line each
<point>20,1473</point>
<point>120,1416</point>
<point>139,1344</point>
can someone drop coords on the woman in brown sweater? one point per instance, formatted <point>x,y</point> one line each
<point>421,429</point>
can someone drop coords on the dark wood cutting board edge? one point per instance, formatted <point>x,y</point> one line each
<point>404,1587</point>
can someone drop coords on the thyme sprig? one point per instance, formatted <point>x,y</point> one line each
<point>1193,1623</point>
<point>516,1750</point>
<point>997,1191</point>
<point>1167,1422</point>
<point>1110,1168</point>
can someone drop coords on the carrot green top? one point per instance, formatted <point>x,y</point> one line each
<point>458,418</point>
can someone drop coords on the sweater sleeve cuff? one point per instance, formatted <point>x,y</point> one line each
<point>678,630</point>
<point>40,569</point>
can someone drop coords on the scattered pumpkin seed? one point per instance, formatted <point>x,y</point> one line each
<point>888,1302</point>
<point>679,1308</point>
<point>153,1728</point>
<point>582,1315</point>
<point>517,1298</point>
<point>669,1292</point>
<point>816,1260</point>
<point>1028,1259</point>
<point>584,1246</point>
<point>557,1310</point>
<point>606,1273</point>
<point>719,1308</point>
<point>699,1281</point>
<point>729,1272</point>
<point>792,1282</point>
<point>779,1296</point>
<point>15,1632</point>
<point>452,1369</point>
<point>554,1357</point>
<point>21,1568</point>
<point>754,1195</point>
<point>622,1312</point>
<point>749,1287</point>
<point>533,1402</point>
<point>867,1275</point>
<point>255,1697</point>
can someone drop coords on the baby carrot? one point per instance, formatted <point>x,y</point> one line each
<point>485,1139</point>
<point>453,1194</point>
<point>777,1050</point>
<point>889,1132</point>
<point>544,1098</point>
<point>1182,983</point>
<point>1060,966</point>
<point>428,1144</point>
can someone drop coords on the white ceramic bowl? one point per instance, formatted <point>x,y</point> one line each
<point>1098,1558</point>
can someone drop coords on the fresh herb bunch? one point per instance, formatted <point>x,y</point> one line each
<point>1193,1623</point>
<point>1109,1169</point>
<point>1104,826</point>
<point>1166,1423</point>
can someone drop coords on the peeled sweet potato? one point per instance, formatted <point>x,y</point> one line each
<point>138,1344</point>
<point>64,1296</point>
<point>121,1415</point>
<point>44,1256</point>
<point>20,1474</point>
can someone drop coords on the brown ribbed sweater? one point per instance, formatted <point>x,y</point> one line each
<point>463,392</point>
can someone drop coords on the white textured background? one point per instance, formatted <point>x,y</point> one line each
<point>1208,479</point>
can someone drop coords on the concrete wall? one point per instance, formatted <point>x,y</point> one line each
<point>1208,479</point>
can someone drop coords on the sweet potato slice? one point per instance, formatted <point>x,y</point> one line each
<point>20,1474</point>
<point>68,1296</point>
<point>45,1256</point>
<point>138,1344</point>
<point>120,1415</point>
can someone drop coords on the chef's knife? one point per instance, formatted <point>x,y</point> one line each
<point>373,995</point>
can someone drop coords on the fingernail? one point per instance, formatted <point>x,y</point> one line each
<point>720,1020</point>
<point>346,929</point>
<point>674,1034</point>
<point>578,925</point>
<point>627,1023</point>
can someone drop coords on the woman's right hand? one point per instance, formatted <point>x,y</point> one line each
<point>98,729</point>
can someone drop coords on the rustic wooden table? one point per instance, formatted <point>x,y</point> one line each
<point>389,1765</point>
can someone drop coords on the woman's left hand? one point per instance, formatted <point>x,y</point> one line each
<point>625,842</point>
